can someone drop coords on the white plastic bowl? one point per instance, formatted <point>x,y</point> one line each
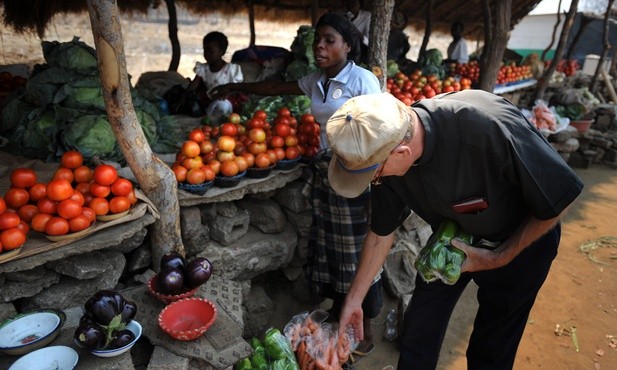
<point>133,326</point>
<point>30,331</point>
<point>54,357</point>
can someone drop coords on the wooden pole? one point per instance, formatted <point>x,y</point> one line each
<point>172,29</point>
<point>155,178</point>
<point>606,47</point>
<point>428,20</point>
<point>251,8</point>
<point>381,15</point>
<point>548,47</point>
<point>492,53</point>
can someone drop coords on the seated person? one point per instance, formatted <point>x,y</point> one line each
<point>398,41</point>
<point>362,20</point>
<point>216,71</point>
<point>457,50</point>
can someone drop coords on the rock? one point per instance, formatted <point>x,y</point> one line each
<point>13,290</point>
<point>82,267</point>
<point>258,312</point>
<point>266,214</point>
<point>227,230</point>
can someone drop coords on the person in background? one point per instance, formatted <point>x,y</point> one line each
<point>339,224</point>
<point>457,50</point>
<point>360,18</point>
<point>214,72</point>
<point>398,41</point>
<point>471,157</point>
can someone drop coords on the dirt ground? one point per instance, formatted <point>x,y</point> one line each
<point>580,291</point>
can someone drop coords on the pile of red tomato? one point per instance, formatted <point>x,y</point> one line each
<point>568,67</point>
<point>234,146</point>
<point>68,203</point>
<point>416,86</point>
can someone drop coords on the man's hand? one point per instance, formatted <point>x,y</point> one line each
<point>352,315</point>
<point>479,259</point>
<point>219,92</point>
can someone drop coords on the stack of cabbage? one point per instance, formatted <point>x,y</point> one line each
<point>62,108</point>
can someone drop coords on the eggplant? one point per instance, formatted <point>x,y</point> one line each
<point>198,271</point>
<point>102,307</point>
<point>128,311</point>
<point>170,281</point>
<point>90,335</point>
<point>121,339</point>
<point>173,259</point>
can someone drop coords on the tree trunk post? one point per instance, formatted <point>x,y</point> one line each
<point>561,45</point>
<point>172,29</point>
<point>492,54</point>
<point>606,47</point>
<point>381,14</point>
<point>154,177</point>
<point>548,47</point>
<point>251,8</point>
<point>428,19</point>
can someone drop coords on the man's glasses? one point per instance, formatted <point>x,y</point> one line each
<point>377,178</point>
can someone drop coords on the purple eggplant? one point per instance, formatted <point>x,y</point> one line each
<point>173,259</point>
<point>90,335</point>
<point>198,271</point>
<point>121,339</point>
<point>170,281</point>
<point>105,305</point>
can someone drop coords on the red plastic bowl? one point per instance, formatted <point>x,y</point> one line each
<point>187,319</point>
<point>167,299</point>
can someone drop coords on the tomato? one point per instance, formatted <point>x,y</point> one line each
<point>250,158</point>
<point>78,197</point>
<point>210,175</point>
<point>179,171</point>
<point>72,159</point>
<point>82,174</point>
<point>280,153</point>
<point>242,163</point>
<point>119,204</point>
<point>69,208</point>
<point>282,129</point>
<point>23,177</point>
<point>132,197</point>
<point>292,152</point>
<point>257,135</point>
<point>78,223</point>
<point>215,165</point>
<point>99,190</point>
<point>229,168</point>
<point>100,206</point>
<point>37,192</point>
<point>9,220</point>
<point>197,135</point>
<point>226,143</point>
<point>234,118</point>
<point>262,160</point>
<point>260,114</point>
<point>105,174</point>
<point>194,162</point>
<point>27,211</point>
<point>284,112</point>
<point>64,173</point>
<point>47,205</point>
<point>16,197</point>
<point>23,226</point>
<point>2,206</point>
<point>59,189</point>
<point>39,221</point>
<point>255,123</point>
<point>195,176</point>
<point>83,188</point>
<point>229,129</point>
<point>88,213</point>
<point>190,149</point>
<point>206,147</point>
<point>291,140</point>
<point>273,156</point>
<point>12,238</point>
<point>57,226</point>
<point>223,155</point>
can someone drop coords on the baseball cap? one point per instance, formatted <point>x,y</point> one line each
<point>362,133</point>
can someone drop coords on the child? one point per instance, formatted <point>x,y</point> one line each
<point>216,71</point>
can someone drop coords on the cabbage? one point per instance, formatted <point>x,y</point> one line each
<point>75,55</point>
<point>92,136</point>
<point>392,68</point>
<point>15,113</point>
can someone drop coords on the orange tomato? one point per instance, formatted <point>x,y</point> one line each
<point>105,174</point>
<point>99,190</point>
<point>23,177</point>
<point>82,174</point>
<point>69,209</point>
<point>12,238</point>
<point>27,211</point>
<point>37,192</point>
<point>71,159</point>
<point>59,189</point>
<point>119,204</point>
<point>9,220</point>
<point>57,226</point>
<point>16,197</point>
<point>47,205</point>
<point>78,223</point>
<point>121,186</point>
<point>39,221</point>
<point>100,206</point>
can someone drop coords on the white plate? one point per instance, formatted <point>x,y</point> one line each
<point>133,326</point>
<point>54,357</point>
<point>29,331</point>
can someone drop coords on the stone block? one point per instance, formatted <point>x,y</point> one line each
<point>265,214</point>
<point>227,230</point>
<point>291,197</point>
<point>12,290</point>
<point>258,312</point>
<point>7,311</point>
<point>162,359</point>
<point>27,276</point>
<point>140,259</point>
<point>578,160</point>
<point>82,267</point>
<point>194,233</point>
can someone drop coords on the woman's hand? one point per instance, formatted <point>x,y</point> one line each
<point>220,91</point>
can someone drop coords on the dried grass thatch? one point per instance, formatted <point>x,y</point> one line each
<point>34,16</point>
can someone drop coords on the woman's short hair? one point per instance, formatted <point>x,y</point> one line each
<point>348,31</point>
<point>218,38</point>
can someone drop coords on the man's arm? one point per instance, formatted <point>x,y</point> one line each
<point>375,249</point>
<point>529,231</point>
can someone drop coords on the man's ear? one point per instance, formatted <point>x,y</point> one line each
<point>402,149</point>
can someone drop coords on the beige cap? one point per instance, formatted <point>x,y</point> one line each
<point>362,133</point>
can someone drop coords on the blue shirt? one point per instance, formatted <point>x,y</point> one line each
<point>351,81</point>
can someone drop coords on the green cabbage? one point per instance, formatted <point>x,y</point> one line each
<point>75,55</point>
<point>92,136</point>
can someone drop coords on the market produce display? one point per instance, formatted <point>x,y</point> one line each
<point>68,203</point>
<point>178,276</point>
<point>103,325</point>
<point>61,107</point>
<point>439,260</point>
<point>225,152</point>
<point>273,353</point>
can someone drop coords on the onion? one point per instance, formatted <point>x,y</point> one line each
<point>198,271</point>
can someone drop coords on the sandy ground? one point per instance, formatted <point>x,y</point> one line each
<point>579,292</point>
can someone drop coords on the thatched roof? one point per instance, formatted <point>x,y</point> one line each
<point>34,16</point>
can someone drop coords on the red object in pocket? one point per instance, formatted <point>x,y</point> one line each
<point>470,206</point>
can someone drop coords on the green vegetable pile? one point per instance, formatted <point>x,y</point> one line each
<point>303,62</point>
<point>297,105</point>
<point>439,259</point>
<point>275,353</point>
<point>62,108</point>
